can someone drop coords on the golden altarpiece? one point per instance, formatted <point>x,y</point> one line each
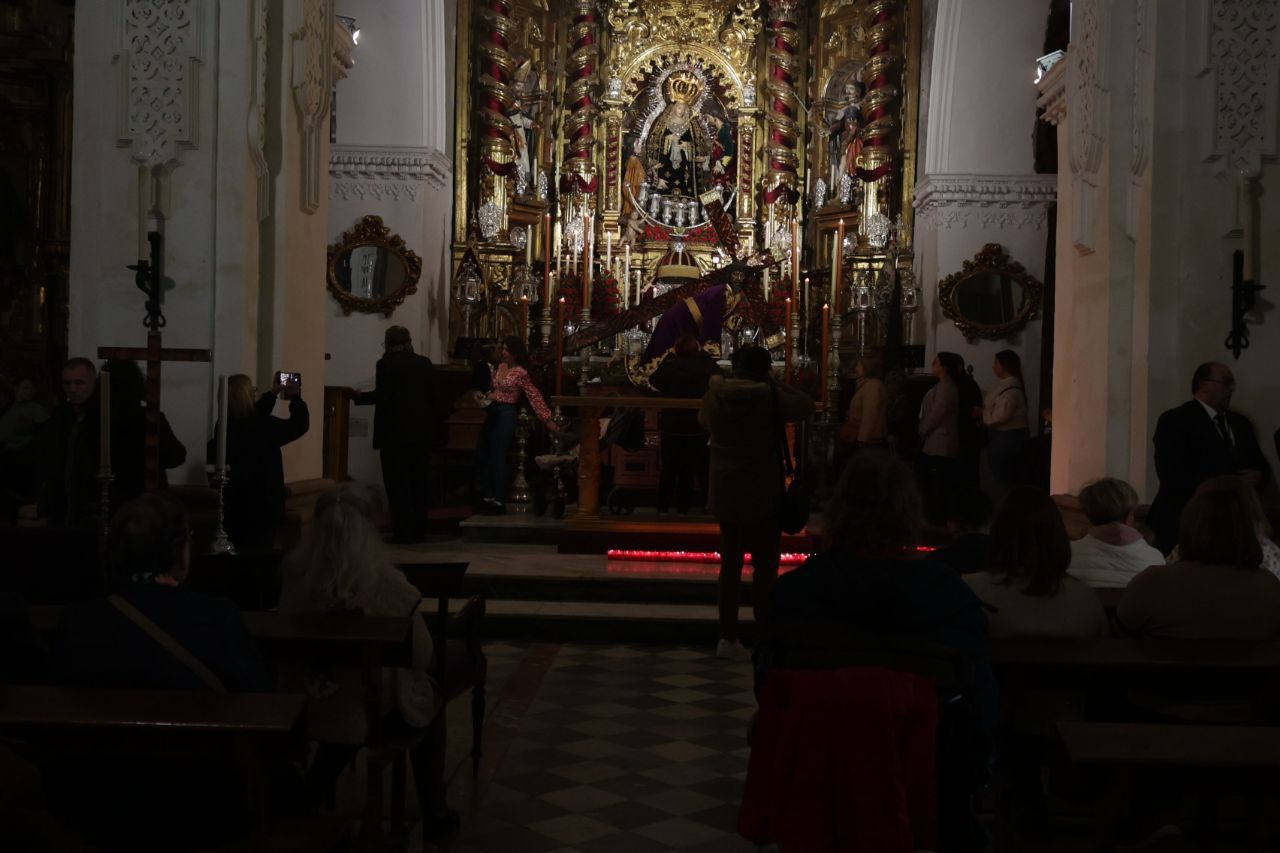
<point>614,159</point>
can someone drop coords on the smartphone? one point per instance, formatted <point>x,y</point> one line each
<point>290,383</point>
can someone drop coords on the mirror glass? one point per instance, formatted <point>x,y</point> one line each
<point>370,272</point>
<point>989,298</point>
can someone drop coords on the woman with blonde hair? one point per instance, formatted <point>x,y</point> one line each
<point>338,567</point>
<point>255,493</point>
<point>1113,552</point>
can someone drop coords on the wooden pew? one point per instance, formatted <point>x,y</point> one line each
<point>70,724</point>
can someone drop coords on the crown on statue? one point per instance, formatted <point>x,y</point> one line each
<point>683,87</point>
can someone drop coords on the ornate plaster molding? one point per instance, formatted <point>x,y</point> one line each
<point>1244,59</point>
<point>988,201</point>
<point>311,53</point>
<point>374,190</point>
<point>161,43</point>
<point>1053,94</point>
<point>351,162</point>
<point>344,48</point>
<point>1143,109</point>
<point>256,124</point>
<point>1087,116</point>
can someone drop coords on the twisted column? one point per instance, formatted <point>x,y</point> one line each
<point>578,172</point>
<point>496,69</point>
<point>882,90</point>
<point>782,104</point>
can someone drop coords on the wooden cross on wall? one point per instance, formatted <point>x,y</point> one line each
<point>148,279</point>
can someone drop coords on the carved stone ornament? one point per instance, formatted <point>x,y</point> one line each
<point>992,297</point>
<point>371,270</point>
<point>160,52</point>
<point>311,54</point>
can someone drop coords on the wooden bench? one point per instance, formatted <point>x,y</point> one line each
<point>61,724</point>
<point>1249,756</point>
<point>1161,745</point>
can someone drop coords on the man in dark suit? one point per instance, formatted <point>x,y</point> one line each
<point>404,425</point>
<point>1199,440</point>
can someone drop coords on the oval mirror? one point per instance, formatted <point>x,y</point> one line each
<point>992,297</point>
<point>371,270</point>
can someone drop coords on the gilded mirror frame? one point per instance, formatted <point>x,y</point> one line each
<point>990,259</point>
<point>370,231</point>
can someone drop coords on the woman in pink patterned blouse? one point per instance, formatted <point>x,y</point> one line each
<point>510,380</point>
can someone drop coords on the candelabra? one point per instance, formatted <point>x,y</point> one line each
<point>221,544</point>
<point>559,495</point>
<point>833,367</point>
<point>519,493</point>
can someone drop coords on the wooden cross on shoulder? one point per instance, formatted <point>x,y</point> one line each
<point>154,354</point>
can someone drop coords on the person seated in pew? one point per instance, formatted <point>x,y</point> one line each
<point>1026,582</point>
<point>968,518</point>
<point>338,567</point>
<point>870,577</point>
<point>154,633</point>
<point>1216,586</point>
<point>1113,552</point>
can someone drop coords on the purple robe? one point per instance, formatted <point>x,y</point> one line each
<point>680,320</point>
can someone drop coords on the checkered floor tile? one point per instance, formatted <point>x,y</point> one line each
<point>625,749</point>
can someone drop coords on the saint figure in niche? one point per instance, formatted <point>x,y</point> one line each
<point>674,145</point>
<point>844,142</point>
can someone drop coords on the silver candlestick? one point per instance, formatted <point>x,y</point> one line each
<point>221,544</point>
<point>519,493</point>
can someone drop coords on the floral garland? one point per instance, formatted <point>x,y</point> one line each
<point>606,299</point>
<point>570,290</point>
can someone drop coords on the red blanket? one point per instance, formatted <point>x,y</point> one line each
<point>843,760</point>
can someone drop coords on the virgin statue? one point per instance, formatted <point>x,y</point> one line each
<point>676,142</point>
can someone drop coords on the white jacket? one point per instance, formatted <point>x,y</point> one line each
<point>1105,566</point>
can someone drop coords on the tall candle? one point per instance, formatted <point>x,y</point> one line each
<point>826,346</point>
<point>546,257</point>
<point>1250,230</point>
<point>838,279</point>
<point>524,319</point>
<point>560,347</point>
<point>222,423</point>
<point>608,250</point>
<point>144,210</point>
<point>765,274</point>
<point>786,332</point>
<point>626,274</point>
<point>104,422</point>
<point>795,254</point>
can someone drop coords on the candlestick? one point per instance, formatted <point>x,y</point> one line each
<point>222,423</point>
<point>560,347</point>
<point>104,422</point>
<point>144,211</point>
<point>787,342</point>
<point>838,277</point>
<point>826,346</point>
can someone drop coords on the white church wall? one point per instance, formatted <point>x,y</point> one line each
<point>203,198</point>
<point>1149,132</point>
<point>390,160</point>
<point>977,185</point>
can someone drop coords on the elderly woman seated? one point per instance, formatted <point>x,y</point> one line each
<point>1113,552</point>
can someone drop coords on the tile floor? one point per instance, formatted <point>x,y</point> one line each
<point>626,749</point>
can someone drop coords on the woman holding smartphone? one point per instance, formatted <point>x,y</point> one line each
<point>255,492</point>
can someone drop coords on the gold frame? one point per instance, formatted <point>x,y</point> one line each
<point>991,258</point>
<point>371,232</point>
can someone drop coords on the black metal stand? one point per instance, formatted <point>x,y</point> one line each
<point>1244,296</point>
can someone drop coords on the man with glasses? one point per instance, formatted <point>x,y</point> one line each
<point>1198,440</point>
